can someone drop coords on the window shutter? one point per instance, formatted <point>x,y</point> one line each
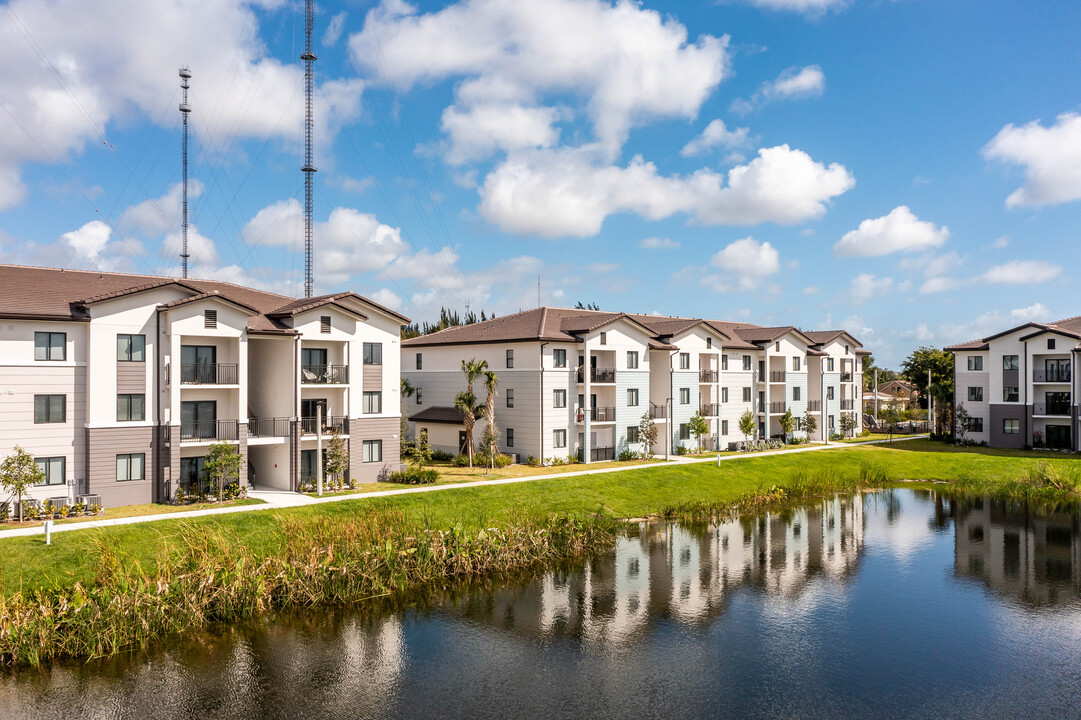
<point>210,319</point>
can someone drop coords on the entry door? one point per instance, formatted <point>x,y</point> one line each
<point>462,442</point>
<point>312,358</point>
<point>307,465</point>
<point>197,363</point>
<point>198,419</point>
<point>191,473</point>
<point>308,410</point>
<point>1058,437</point>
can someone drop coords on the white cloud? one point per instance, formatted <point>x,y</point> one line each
<point>810,290</point>
<point>334,30</point>
<point>992,322</point>
<point>744,264</point>
<point>568,193</point>
<point>809,7</point>
<point>1022,271</point>
<point>900,231</point>
<point>716,134</point>
<point>1000,242</point>
<point>387,298</point>
<point>159,215</point>
<point>920,333</point>
<point>658,243</point>
<point>793,84</point>
<point>482,130</point>
<point>866,286</point>
<point>939,284</point>
<point>89,240</point>
<point>1051,157</point>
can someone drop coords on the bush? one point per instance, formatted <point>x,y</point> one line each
<point>532,461</point>
<point>680,450</point>
<point>501,460</point>
<point>415,476</point>
<point>798,441</point>
<point>460,461</point>
<point>837,437</point>
<point>442,455</point>
<point>629,455</point>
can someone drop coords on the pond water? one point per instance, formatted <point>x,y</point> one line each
<point>892,604</point>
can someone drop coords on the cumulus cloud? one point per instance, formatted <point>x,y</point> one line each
<point>658,243</point>
<point>900,231</point>
<point>334,30</point>
<point>793,84</point>
<point>808,7</point>
<point>992,322</point>
<point>866,286</point>
<point>1051,157</point>
<point>159,215</point>
<point>480,131</point>
<point>1020,272</point>
<point>716,134</point>
<point>89,240</point>
<point>744,264</point>
<point>568,193</point>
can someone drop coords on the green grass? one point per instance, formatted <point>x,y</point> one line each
<point>28,563</point>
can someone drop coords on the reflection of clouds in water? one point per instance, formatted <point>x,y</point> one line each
<point>902,534</point>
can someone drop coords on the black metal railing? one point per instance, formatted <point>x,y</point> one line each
<point>599,375</point>
<point>707,376</point>
<point>209,374</point>
<point>208,430</point>
<point>1052,408</point>
<point>598,414</point>
<point>777,406</point>
<point>1052,375</point>
<point>776,376</point>
<point>814,405</point>
<point>846,376</point>
<point>658,412</point>
<point>711,409</point>
<point>324,374</point>
<point>339,425</point>
<point>848,404</point>
<point>268,427</point>
<point>598,454</point>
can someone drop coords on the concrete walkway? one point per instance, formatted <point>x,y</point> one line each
<point>276,499</point>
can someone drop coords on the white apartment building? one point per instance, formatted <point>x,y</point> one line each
<point>1019,387</point>
<point>118,384</point>
<point>578,382</point>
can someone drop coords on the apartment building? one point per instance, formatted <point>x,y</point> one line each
<point>578,383</point>
<point>118,384</point>
<point>1019,387</point>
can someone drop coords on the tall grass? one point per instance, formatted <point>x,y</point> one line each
<point>1044,484</point>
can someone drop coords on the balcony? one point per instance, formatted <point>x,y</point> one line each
<point>711,410</point>
<point>814,406</point>
<point>599,375</point>
<point>598,414</point>
<point>338,425</point>
<point>1056,409</point>
<point>209,374</point>
<point>707,376</point>
<point>268,427</point>
<point>776,376</point>
<point>599,454</point>
<point>1052,375</point>
<point>324,374</point>
<point>205,430</point>
<point>846,376</point>
<point>658,412</point>
<point>777,407</point>
<point>848,404</point>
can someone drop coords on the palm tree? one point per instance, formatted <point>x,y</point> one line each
<point>473,369</point>
<point>466,404</point>
<point>407,392</point>
<point>490,382</point>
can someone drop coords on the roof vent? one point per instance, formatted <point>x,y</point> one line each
<point>210,319</point>
<point>324,323</point>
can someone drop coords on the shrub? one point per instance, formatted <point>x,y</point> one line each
<point>442,455</point>
<point>836,437</point>
<point>415,476</point>
<point>680,450</point>
<point>482,460</point>
<point>460,461</point>
<point>630,455</point>
<point>5,510</point>
<point>532,461</point>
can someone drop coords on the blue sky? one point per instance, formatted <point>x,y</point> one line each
<point>909,169</point>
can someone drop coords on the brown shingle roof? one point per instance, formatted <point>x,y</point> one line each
<point>438,414</point>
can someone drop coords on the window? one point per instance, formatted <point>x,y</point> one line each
<point>724,394</point>
<point>1011,426</point>
<point>632,434</point>
<point>559,438</point>
<point>1050,343</point>
<point>373,451</point>
<point>684,361</point>
<point>684,431</point>
<point>210,319</point>
<point>975,394</point>
<point>373,402</point>
<point>510,358</point>
<point>420,397</point>
<point>724,362</point>
<point>746,394</point>
<point>975,424</point>
<point>777,346</point>
<point>829,392</point>
<point>846,349</point>
<point>975,362</point>
<point>54,469</point>
<point>324,323</point>
<point>604,338</point>
<point>131,348</point>
<point>559,398</point>
<point>1009,394</point>
<point>724,427</point>
<point>510,437</point>
<point>632,397</point>
<point>632,359</point>
<point>373,353</point>
<point>420,361</point>
<point>1009,362</point>
<point>709,342</point>
<point>510,397</point>
<point>829,364</point>
<point>50,346</point>
<point>131,467</point>
<point>795,364</point>
<point>684,396</point>
<point>130,408</point>
<point>559,358</point>
<point>832,422</point>
<point>746,362</point>
<point>796,394</point>
<point>50,408</point>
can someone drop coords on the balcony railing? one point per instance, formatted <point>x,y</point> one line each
<point>324,374</point>
<point>598,454</point>
<point>1061,409</point>
<point>598,414</point>
<point>208,374</point>
<point>599,375</point>
<point>339,425</point>
<point>776,376</point>
<point>658,412</point>
<point>195,430</point>
<point>268,427</point>
<point>1054,375</point>
<point>814,405</point>
<point>707,376</point>
<point>711,410</point>
<point>777,407</point>
<point>848,404</point>
<point>846,376</point>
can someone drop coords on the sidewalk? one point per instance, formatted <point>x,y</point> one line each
<point>277,499</point>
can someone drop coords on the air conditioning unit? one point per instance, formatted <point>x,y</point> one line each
<point>89,500</point>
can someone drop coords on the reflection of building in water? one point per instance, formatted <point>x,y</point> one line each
<point>1034,559</point>
<point>682,572</point>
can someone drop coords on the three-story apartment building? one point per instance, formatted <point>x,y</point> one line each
<point>1019,387</point>
<point>578,383</point>
<point>119,384</point>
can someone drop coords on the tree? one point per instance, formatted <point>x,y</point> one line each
<point>698,426</point>
<point>407,392</point>
<point>810,424</point>
<point>491,433</point>
<point>787,422</point>
<point>746,424</point>
<point>647,433</point>
<point>489,445</point>
<point>588,306</point>
<point>891,415</point>
<point>466,404</point>
<point>473,369</point>
<point>848,424</point>
<point>960,417</point>
<point>17,473</point>
<point>869,367</point>
<point>940,363</point>
<point>223,462</point>
<point>337,460</point>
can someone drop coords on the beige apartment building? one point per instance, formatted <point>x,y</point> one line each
<point>577,382</point>
<point>118,384</point>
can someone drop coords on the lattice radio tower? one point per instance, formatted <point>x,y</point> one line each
<point>308,57</point>
<point>185,109</point>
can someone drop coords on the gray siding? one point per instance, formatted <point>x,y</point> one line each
<point>361,429</point>
<point>1000,412</point>
<point>130,378</point>
<point>627,416</point>
<point>105,444</point>
<point>682,413</point>
<point>371,377</point>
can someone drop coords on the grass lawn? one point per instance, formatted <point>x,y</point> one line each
<point>125,511</point>
<point>28,562</point>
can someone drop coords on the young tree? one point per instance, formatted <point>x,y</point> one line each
<point>489,445</point>
<point>17,473</point>
<point>423,452</point>
<point>698,426</point>
<point>810,424</point>
<point>746,424</point>
<point>787,422</point>
<point>647,433</point>
<point>960,418</point>
<point>848,425</point>
<point>473,369</point>
<point>891,415</point>
<point>466,404</point>
<point>407,392</point>
<point>337,462</point>
<point>223,462</point>
<point>491,432</point>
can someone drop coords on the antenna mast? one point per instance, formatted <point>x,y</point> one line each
<point>308,57</point>
<point>185,109</point>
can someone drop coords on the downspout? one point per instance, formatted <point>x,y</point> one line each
<point>671,404</point>
<point>294,452</point>
<point>1028,430</point>
<point>158,444</point>
<point>540,404</point>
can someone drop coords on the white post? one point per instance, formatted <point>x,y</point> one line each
<point>319,449</point>
<point>930,401</point>
<point>876,395</point>
<point>48,532</point>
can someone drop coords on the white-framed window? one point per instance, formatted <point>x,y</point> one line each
<point>1010,362</point>
<point>684,361</point>
<point>559,438</point>
<point>54,469</point>
<point>795,364</point>
<point>632,397</point>
<point>975,394</point>
<point>632,434</point>
<point>131,408</point>
<point>829,392</point>
<point>829,364</point>
<point>131,467</point>
<point>684,431</point>
<point>724,362</point>
<point>684,396</point>
<point>724,394</point>
<point>796,393</point>
<point>510,397</point>
<point>510,358</point>
<point>975,362</point>
<point>746,362</point>
<point>559,358</point>
<point>746,394</point>
<point>559,398</point>
<point>50,346</point>
<point>724,427</point>
<point>373,353</point>
<point>604,338</point>
<point>373,402</point>
<point>131,348</point>
<point>632,359</point>
<point>50,409</point>
<point>373,451</point>
<point>832,422</point>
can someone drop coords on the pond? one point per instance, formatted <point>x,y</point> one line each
<point>891,604</point>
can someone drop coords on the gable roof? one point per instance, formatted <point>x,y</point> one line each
<point>1070,327</point>
<point>439,414</point>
